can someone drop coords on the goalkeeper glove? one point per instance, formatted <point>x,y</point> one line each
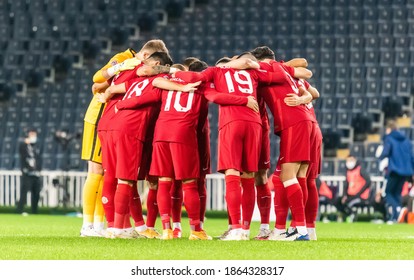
<point>127,64</point>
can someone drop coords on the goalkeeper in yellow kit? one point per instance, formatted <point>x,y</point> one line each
<point>93,212</point>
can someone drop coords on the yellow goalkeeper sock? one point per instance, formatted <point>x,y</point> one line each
<point>99,215</point>
<point>90,190</point>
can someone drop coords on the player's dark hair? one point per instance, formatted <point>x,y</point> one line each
<point>243,54</point>
<point>248,55</point>
<point>223,60</point>
<point>187,62</point>
<point>197,66</point>
<point>263,52</point>
<point>163,57</point>
<point>179,66</point>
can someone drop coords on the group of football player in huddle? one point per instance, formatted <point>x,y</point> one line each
<point>148,120</point>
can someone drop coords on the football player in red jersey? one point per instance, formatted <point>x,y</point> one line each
<point>119,133</point>
<point>239,138</point>
<point>203,140</point>
<point>311,200</point>
<point>310,194</point>
<point>93,212</point>
<point>294,126</point>
<point>263,194</point>
<point>310,197</point>
<point>180,110</point>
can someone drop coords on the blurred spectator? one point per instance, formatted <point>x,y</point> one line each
<point>326,200</point>
<point>406,214</point>
<point>356,189</point>
<point>398,150</point>
<point>407,198</point>
<point>30,166</point>
<point>378,202</point>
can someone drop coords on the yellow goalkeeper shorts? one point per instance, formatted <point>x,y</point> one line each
<point>91,146</point>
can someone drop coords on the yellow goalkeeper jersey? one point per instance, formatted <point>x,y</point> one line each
<point>95,109</point>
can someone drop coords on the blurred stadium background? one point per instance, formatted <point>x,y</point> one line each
<point>360,52</point>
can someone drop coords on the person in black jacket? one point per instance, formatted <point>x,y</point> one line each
<point>356,188</point>
<point>30,165</point>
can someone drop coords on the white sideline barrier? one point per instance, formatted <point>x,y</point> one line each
<point>55,192</point>
<point>333,181</point>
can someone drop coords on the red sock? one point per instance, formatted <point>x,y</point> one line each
<point>228,216</point>
<point>295,198</point>
<point>248,201</point>
<point>164,202</point>
<point>264,201</point>
<point>127,221</point>
<point>152,208</point>
<point>135,207</point>
<point>122,197</point>
<point>280,203</point>
<point>176,201</point>
<point>304,187</point>
<point>192,204</point>
<point>202,192</point>
<point>312,205</point>
<point>233,199</point>
<point>108,194</point>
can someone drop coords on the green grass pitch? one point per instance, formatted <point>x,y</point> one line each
<point>48,237</point>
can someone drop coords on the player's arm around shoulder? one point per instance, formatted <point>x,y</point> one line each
<point>302,73</point>
<point>172,84</point>
<point>293,99</point>
<point>242,63</point>
<point>99,87</point>
<point>110,92</point>
<point>297,62</point>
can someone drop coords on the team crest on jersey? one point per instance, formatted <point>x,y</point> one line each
<point>212,85</point>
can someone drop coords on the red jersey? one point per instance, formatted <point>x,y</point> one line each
<point>238,83</point>
<point>135,122</point>
<point>179,110</point>
<point>203,138</point>
<point>263,113</point>
<point>109,112</point>
<point>309,106</point>
<point>179,115</point>
<point>284,116</point>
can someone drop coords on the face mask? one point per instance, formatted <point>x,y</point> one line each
<point>33,139</point>
<point>350,164</point>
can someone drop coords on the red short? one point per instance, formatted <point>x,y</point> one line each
<point>146,160</point>
<point>175,160</point>
<point>278,168</point>
<point>315,166</point>
<point>295,143</point>
<point>238,146</point>
<point>122,155</point>
<point>264,159</point>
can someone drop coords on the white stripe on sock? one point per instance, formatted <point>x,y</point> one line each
<point>290,182</point>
